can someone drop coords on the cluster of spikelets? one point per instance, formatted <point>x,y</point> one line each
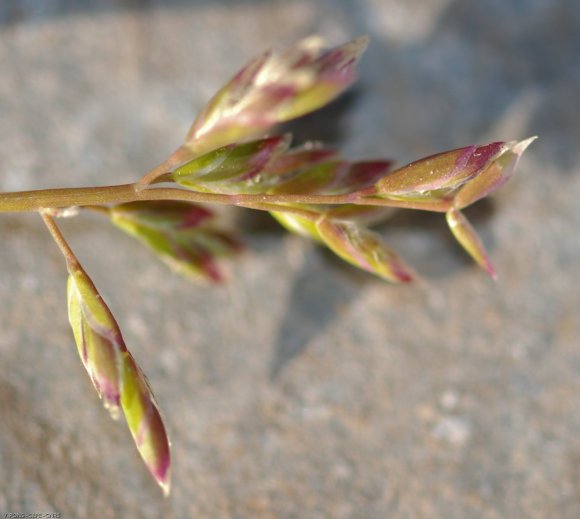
<point>311,190</point>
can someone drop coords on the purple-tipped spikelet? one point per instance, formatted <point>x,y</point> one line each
<point>183,235</point>
<point>364,249</point>
<point>467,237</point>
<point>274,88</point>
<point>452,180</point>
<point>234,168</point>
<point>440,174</point>
<point>493,174</point>
<point>115,374</point>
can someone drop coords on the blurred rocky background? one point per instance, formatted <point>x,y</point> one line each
<point>303,388</point>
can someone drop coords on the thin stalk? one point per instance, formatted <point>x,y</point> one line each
<point>71,260</point>
<point>178,157</point>
<point>38,200</point>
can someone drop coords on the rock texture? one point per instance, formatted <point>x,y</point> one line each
<point>302,389</point>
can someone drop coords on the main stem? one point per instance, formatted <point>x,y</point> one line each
<point>37,200</point>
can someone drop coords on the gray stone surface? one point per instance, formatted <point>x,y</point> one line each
<point>302,389</point>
